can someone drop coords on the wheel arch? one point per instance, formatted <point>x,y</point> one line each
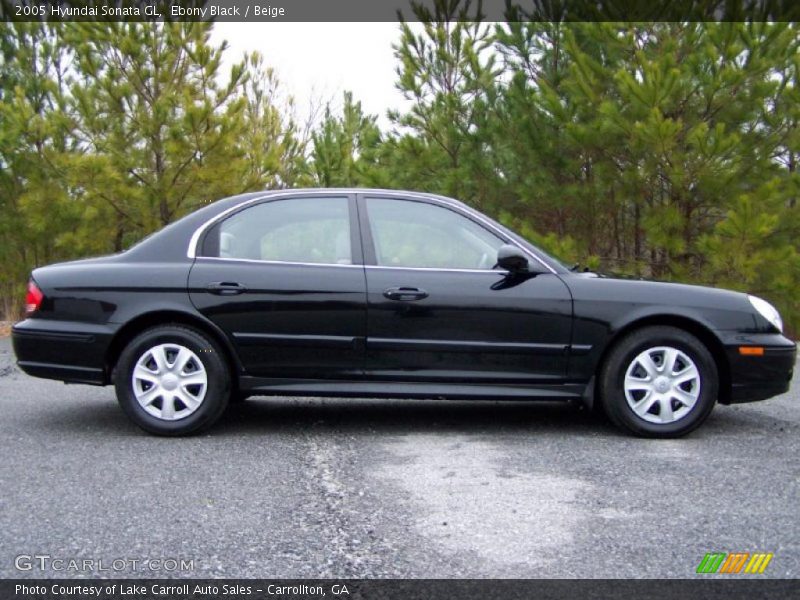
<point>696,328</point>
<point>164,317</point>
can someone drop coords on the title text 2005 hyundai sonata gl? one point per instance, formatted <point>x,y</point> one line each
<point>386,294</point>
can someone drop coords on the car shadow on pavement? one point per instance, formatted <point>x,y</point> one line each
<point>264,415</point>
<point>356,416</point>
<point>378,416</point>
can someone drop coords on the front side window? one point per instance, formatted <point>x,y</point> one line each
<point>308,230</point>
<point>416,234</point>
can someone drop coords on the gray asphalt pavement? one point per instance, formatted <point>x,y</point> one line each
<point>376,488</point>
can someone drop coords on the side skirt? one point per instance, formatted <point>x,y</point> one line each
<point>391,389</point>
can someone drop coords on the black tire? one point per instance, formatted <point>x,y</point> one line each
<point>218,387</point>
<point>622,355</point>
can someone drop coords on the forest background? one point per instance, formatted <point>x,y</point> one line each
<point>658,150</point>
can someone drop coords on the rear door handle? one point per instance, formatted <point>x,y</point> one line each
<point>226,288</point>
<point>405,293</point>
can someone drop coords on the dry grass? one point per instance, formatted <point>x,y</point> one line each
<point>5,328</point>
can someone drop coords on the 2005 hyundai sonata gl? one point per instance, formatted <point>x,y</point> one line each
<point>386,294</point>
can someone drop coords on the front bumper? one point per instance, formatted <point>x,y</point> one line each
<point>68,351</point>
<point>758,377</point>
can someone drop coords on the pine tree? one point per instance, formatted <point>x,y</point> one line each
<point>343,147</point>
<point>444,72</point>
<point>35,142</point>
<point>156,120</point>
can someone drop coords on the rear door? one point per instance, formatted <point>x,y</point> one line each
<point>439,311</point>
<point>283,278</point>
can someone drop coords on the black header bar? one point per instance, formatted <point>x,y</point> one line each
<point>707,588</point>
<point>388,10</point>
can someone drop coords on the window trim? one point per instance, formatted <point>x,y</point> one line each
<point>200,235</point>
<point>437,269</point>
<point>279,262</point>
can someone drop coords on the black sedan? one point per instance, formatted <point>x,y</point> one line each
<point>386,294</point>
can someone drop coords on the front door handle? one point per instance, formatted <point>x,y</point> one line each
<point>405,293</point>
<point>226,288</point>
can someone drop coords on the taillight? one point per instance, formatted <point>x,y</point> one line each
<point>33,299</point>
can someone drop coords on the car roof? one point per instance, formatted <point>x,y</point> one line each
<point>353,190</point>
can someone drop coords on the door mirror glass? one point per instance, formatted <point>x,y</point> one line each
<point>512,259</point>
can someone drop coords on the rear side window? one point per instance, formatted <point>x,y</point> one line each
<point>307,230</point>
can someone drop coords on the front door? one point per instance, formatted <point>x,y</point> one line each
<point>284,280</point>
<point>439,311</point>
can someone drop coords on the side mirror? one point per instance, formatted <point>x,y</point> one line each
<point>512,259</point>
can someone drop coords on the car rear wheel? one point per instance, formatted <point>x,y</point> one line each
<point>172,380</point>
<point>659,382</point>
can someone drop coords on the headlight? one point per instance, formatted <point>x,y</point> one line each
<point>766,310</point>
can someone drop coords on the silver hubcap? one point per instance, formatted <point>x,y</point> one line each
<point>169,382</point>
<point>662,385</point>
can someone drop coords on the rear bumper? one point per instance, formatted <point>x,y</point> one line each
<point>758,377</point>
<point>68,351</point>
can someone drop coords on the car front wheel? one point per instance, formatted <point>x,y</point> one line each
<point>659,382</point>
<point>172,380</point>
